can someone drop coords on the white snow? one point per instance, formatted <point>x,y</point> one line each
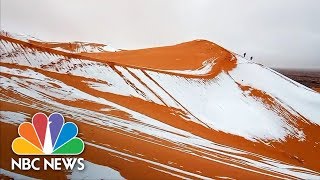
<point>221,104</point>
<point>18,36</point>
<point>13,117</point>
<point>299,98</point>
<point>94,49</point>
<point>113,82</point>
<point>88,47</point>
<point>203,70</point>
<point>241,59</point>
<point>165,97</point>
<point>268,165</point>
<point>14,175</point>
<point>151,162</point>
<point>95,171</point>
<point>292,170</point>
<point>83,46</point>
<point>145,92</point>
<point>25,56</point>
<point>110,88</point>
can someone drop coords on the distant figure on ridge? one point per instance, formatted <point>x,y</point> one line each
<point>244,55</point>
<point>251,58</point>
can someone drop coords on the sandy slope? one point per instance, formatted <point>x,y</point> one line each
<point>317,89</point>
<point>192,110</point>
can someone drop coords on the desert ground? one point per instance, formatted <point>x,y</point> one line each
<point>309,78</point>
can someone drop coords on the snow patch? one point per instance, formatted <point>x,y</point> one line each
<point>297,98</point>
<point>203,70</point>
<point>15,118</point>
<point>14,175</point>
<point>221,104</point>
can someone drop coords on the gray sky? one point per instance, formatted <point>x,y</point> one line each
<point>278,33</point>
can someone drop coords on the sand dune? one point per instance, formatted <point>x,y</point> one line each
<point>193,110</point>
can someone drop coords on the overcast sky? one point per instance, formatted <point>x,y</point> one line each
<point>278,33</point>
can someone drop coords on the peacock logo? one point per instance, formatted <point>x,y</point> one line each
<point>48,136</point>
